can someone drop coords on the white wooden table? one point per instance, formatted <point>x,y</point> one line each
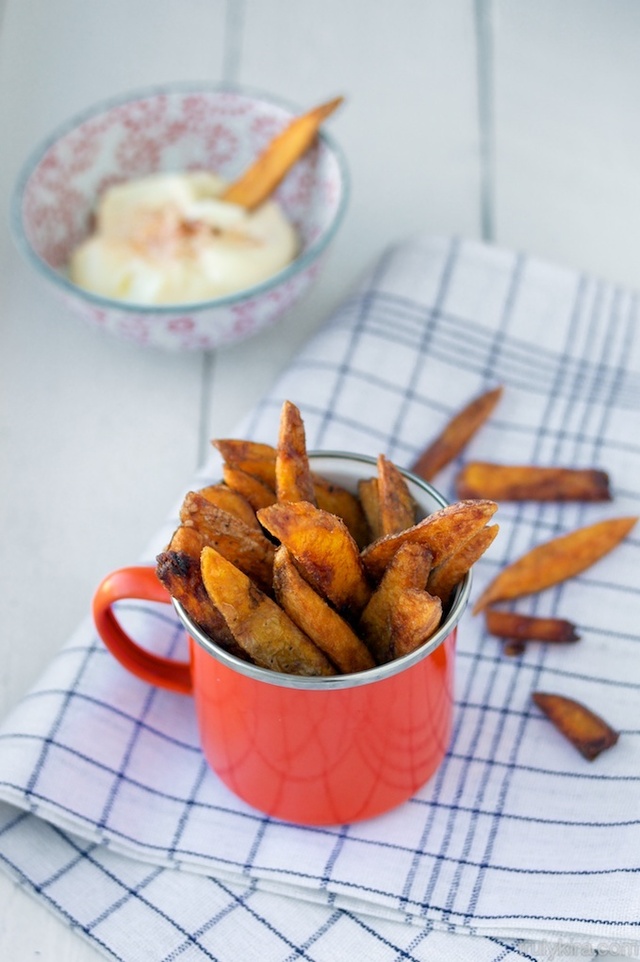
<point>512,120</point>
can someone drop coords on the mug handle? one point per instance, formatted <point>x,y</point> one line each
<point>142,584</point>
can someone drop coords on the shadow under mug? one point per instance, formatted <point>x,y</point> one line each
<point>310,750</point>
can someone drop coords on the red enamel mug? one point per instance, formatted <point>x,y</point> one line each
<point>310,750</point>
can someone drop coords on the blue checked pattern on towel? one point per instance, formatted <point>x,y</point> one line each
<point>518,848</point>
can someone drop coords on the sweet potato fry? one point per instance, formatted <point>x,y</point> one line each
<point>505,482</point>
<point>257,623</point>
<point>255,491</point>
<point>231,501</point>
<point>271,166</point>
<point>442,532</point>
<point>444,578</point>
<point>187,540</point>
<point>414,619</point>
<point>293,475</point>
<point>456,435</point>
<point>586,731</point>
<point>257,459</point>
<point>180,573</point>
<point>323,550</point>
<point>387,624</point>
<point>509,624</point>
<point>247,548</point>
<point>397,507</point>
<point>337,500</point>
<point>370,500</point>
<point>554,561</point>
<point>316,618</point>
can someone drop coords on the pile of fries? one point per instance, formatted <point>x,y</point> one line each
<point>545,565</point>
<point>294,573</point>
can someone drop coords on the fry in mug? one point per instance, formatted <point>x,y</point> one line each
<point>316,618</point>
<point>448,574</point>
<point>441,532</point>
<point>396,506</point>
<point>256,491</point>
<point>293,475</point>
<point>324,551</point>
<point>406,574</point>
<point>248,549</point>
<point>225,498</point>
<point>257,623</point>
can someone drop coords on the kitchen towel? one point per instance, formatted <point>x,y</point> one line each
<point>518,847</point>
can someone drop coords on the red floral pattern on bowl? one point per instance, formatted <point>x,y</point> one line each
<point>176,128</point>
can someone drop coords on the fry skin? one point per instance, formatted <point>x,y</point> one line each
<point>337,500</point>
<point>316,618</point>
<point>554,561</point>
<point>406,575</point>
<point>504,482</point>
<point>442,532</point>
<point>444,578</point>
<point>247,548</point>
<point>271,166</point>
<point>257,459</point>
<point>509,624</point>
<point>396,505</point>
<point>323,550</point>
<point>180,573</point>
<point>370,500</point>
<point>293,475</point>
<point>456,435</point>
<point>255,491</point>
<point>586,731</point>
<point>257,623</point>
<point>224,497</point>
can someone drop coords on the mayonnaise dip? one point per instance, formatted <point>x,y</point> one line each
<point>169,239</point>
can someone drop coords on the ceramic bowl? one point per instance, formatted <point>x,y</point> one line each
<point>174,128</point>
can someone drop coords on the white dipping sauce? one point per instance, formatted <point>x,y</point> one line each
<point>168,239</point>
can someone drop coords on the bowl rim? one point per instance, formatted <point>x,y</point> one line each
<point>368,676</point>
<point>297,266</point>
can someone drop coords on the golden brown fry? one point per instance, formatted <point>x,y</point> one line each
<point>442,532</point>
<point>556,560</point>
<point>255,491</point>
<point>180,573</point>
<point>187,540</point>
<point>257,459</point>
<point>397,506</point>
<point>444,578</point>
<point>247,548</point>
<point>509,624</point>
<point>231,501</point>
<point>324,552</point>
<point>337,500</point>
<point>414,619</point>
<point>456,435</point>
<point>384,624</point>
<point>370,500</point>
<point>588,732</point>
<point>257,623</point>
<point>293,475</point>
<point>316,618</point>
<point>264,175</point>
<point>505,482</point>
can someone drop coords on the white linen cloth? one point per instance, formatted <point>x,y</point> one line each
<point>517,847</point>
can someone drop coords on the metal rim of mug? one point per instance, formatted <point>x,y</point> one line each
<point>355,679</point>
